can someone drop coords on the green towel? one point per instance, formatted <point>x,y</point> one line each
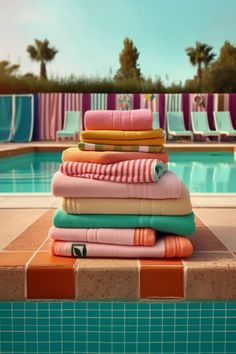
<point>179,225</point>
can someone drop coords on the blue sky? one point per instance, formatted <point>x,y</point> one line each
<point>89,33</point>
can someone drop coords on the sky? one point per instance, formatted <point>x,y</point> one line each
<point>89,34</point>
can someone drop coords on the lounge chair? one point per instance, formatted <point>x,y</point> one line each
<point>200,125</point>
<point>156,120</point>
<point>156,123</point>
<point>175,125</point>
<point>71,125</point>
<point>223,123</point>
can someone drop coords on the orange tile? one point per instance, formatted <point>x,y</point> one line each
<point>161,279</point>
<point>34,235</point>
<point>45,246</point>
<point>50,277</point>
<point>12,275</point>
<point>204,239</point>
<point>14,259</point>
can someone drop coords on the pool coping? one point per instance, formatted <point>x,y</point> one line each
<point>57,147</point>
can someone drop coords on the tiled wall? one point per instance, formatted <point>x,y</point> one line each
<point>118,327</point>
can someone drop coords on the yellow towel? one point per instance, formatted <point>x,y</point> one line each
<point>120,137</point>
<point>180,206</point>
<point>147,142</point>
<point>121,134</point>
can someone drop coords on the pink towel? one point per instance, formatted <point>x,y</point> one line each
<point>138,119</point>
<point>166,247</point>
<point>135,237</point>
<point>169,186</point>
<point>132,171</point>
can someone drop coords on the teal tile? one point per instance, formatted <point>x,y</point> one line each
<point>68,347</point>
<point>130,347</point>
<point>80,336</point>
<point>6,347</point>
<point>55,347</point>
<point>43,347</point>
<point>143,347</point>
<point>31,347</point>
<point>168,336</point>
<point>55,336</point>
<point>31,336</point>
<point>181,348</point>
<point>6,336</point>
<point>18,305</point>
<point>5,305</point>
<point>194,347</point>
<point>143,336</point>
<point>105,347</point>
<point>93,347</point>
<point>206,347</point>
<point>168,347</point>
<point>231,347</point>
<point>155,336</point>
<point>155,347</point>
<point>93,336</point>
<point>18,347</point>
<point>43,336</point>
<point>118,337</point>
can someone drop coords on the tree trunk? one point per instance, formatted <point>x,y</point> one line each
<point>43,71</point>
<point>199,76</point>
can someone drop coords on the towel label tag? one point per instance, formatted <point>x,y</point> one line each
<point>78,250</point>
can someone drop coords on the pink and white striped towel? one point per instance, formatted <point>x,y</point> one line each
<point>132,171</point>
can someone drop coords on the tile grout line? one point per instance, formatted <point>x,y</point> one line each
<point>218,237</point>
<point>139,279</point>
<point>27,263</point>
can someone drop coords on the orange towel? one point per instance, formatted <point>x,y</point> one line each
<point>106,157</point>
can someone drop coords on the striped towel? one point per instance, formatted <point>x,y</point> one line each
<point>128,237</point>
<point>135,148</point>
<point>132,171</point>
<point>165,247</point>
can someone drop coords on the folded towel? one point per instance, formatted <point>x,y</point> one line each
<point>132,171</point>
<point>180,225</point>
<point>120,137</point>
<point>74,154</point>
<point>135,237</point>
<point>137,119</point>
<point>137,148</point>
<point>167,187</point>
<point>181,206</point>
<point>168,246</point>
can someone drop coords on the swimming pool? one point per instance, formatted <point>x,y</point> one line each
<point>202,172</point>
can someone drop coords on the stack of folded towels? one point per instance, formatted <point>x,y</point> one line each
<point>118,198</point>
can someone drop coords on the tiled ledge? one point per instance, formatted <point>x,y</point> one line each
<point>29,272</point>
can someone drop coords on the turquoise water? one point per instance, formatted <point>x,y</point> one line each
<point>201,172</point>
<point>117,327</point>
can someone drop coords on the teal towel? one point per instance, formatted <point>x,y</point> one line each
<point>179,225</point>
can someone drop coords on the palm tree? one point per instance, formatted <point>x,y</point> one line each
<point>41,52</point>
<point>200,55</point>
<point>7,69</point>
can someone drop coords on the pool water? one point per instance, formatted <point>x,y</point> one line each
<point>200,172</point>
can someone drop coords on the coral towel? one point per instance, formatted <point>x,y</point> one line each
<point>137,119</point>
<point>74,154</point>
<point>168,186</point>
<point>135,237</point>
<point>168,246</point>
<point>132,171</point>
